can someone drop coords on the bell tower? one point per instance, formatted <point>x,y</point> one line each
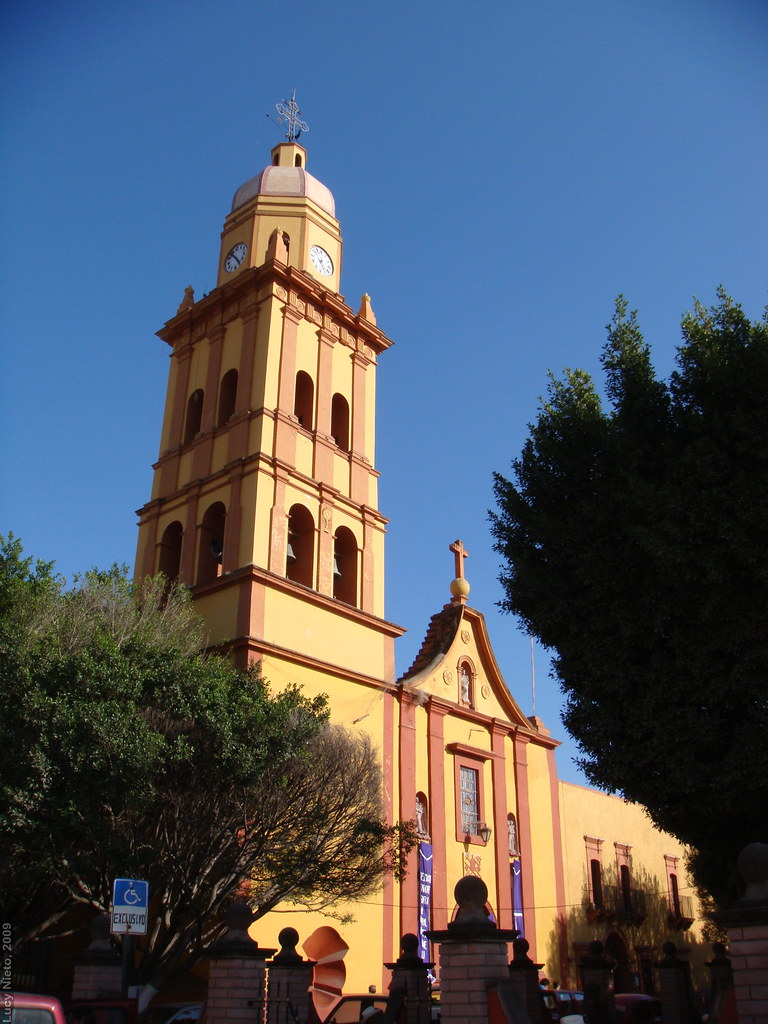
<point>264,498</point>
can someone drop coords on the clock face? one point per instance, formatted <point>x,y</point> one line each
<point>235,257</point>
<point>321,261</point>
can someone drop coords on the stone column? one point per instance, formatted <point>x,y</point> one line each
<point>747,924</point>
<point>524,975</point>
<point>410,980</point>
<point>237,975</point>
<point>473,956</point>
<point>288,981</point>
<point>597,984</point>
<point>674,986</point>
<point>98,970</point>
<point>721,979</point>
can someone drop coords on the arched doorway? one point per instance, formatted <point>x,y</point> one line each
<point>616,950</point>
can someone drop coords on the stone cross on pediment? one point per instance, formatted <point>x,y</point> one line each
<point>459,554</point>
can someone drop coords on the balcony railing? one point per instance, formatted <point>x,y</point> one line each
<point>616,903</point>
<point>681,913</point>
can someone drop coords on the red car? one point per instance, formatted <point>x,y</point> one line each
<point>31,1009</point>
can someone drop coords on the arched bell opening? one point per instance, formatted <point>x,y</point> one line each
<point>211,549</point>
<point>345,560</point>
<point>169,560</point>
<point>227,397</point>
<point>300,550</point>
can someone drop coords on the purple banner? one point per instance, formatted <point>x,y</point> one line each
<point>425,897</point>
<point>517,898</point>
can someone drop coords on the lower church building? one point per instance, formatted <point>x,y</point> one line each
<point>265,503</point>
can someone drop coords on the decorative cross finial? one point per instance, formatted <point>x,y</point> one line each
<point>288,111</point>
<point>459,554</point>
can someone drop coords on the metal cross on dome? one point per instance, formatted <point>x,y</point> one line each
<point>288,111</point>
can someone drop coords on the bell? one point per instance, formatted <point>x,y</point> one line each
<point>291,554</point>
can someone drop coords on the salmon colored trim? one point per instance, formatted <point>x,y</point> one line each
<point>500,828</point>
<point>230,555</point>
<point>476,764</point>
<point>440,911</point>
<point>557,842</point>
<point>360,364</point>
<point>179,381</point>
<point>189,543</point>
<point>213,376</point>
<point>409,893</point>
<point>250,319</point>
<point>202,454</point>
<point>324,445</point>
<point>524,838</point>
<point>389,774</point>
<point>278,534</point>
<point>285,423</point>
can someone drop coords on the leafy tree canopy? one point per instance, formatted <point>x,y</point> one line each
<point>634,541</point>
<point>125,752</point>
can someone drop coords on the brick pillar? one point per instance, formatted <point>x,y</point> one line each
<point>98,970</point>
<point>473,956</point>
<point>747,924</point>
<point>288,981</point>
<point>524,976</point>
<point>237,975</point>
<point>674,986</point>
<point>597,984</point>
<point>720,980</point>
<point>410,982</point>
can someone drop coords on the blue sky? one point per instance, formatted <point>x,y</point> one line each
<point>502,170</point>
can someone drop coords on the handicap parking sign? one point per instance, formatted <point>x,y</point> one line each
<point>130,905</point>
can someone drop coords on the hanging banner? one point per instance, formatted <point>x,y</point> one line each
<point>425,897</point>
<point>517,898</point>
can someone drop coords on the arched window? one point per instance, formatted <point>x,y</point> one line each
<point>422,815</point>
<point>514,850</point>
<point>300,554</point>
<point>227,396</point>
<point>596,883</point>
<point>466,684</point>
<point>170,550</point>
<point>345,566</point>
<point>211,548</point>
<point>625,883</point>
<point>194,415</point>
<point>297,160</point>
<point>304,400</point>
<point>340,421</point>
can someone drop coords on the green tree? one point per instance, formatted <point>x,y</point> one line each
<point>634,541</point>
<point>125,752</point>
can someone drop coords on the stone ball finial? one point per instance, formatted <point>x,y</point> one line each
<point>752,865</point>
<point>460,587</point>
<point>471,894</point>
<point>596,949</point>
<point>409,944</point>
<point>239,917</point>
<point>669,949</point>
<point>520,949</point>
<point>288,939</point>
<point>98,929</point>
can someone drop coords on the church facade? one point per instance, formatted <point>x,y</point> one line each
<point>265,503</point>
